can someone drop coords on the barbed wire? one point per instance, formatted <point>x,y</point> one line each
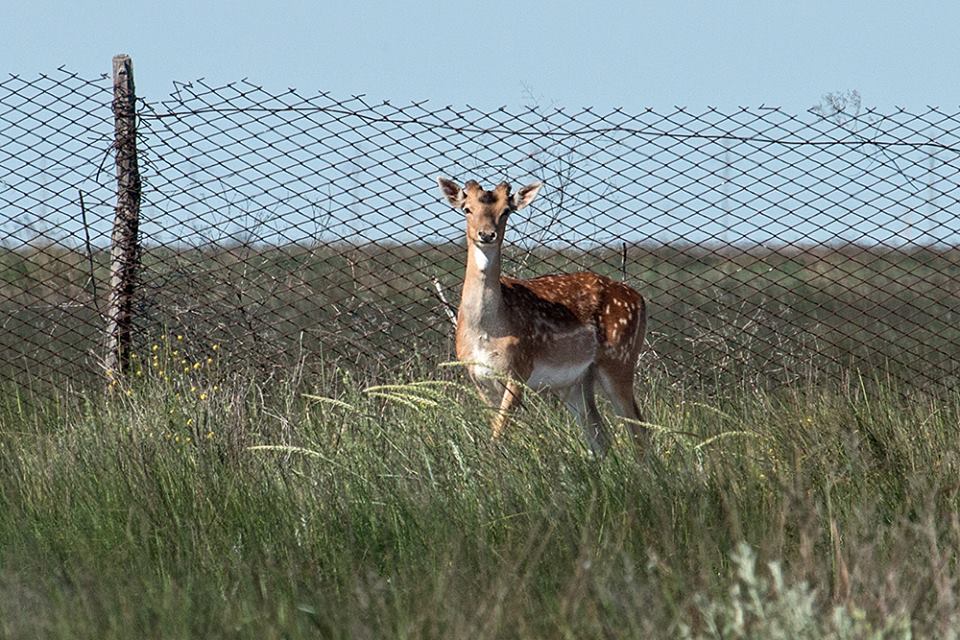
<point>587,131</point>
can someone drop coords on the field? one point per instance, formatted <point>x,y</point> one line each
<point>193,502</point>
<point>748,315</point>
<point>289,458</point>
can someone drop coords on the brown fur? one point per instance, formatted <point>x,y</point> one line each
<point>563,332</point>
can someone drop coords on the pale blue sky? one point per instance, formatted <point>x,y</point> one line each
<point>600,53</point>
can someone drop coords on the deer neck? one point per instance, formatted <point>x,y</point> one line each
<point>481,302</point>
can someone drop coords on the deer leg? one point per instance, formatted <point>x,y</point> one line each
<point>491,391</point>
<point>512,395</point>
<point>618,387</point>
<point>581,402</point>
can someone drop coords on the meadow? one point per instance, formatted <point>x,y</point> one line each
<point>196,501</point>
<point>289,458</point>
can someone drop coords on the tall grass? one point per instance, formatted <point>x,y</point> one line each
<point>326,508</point>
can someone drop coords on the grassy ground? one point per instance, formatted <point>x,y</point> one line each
<point>191,503</point>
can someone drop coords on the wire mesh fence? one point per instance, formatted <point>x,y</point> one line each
<point>290,228</point>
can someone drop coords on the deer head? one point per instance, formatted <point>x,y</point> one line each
<point>486,211</point>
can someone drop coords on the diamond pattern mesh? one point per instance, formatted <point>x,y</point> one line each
<point>308,228</point>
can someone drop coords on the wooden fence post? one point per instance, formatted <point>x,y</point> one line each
<point>125,248</point>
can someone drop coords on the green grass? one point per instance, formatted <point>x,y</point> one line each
<point>203,505</point>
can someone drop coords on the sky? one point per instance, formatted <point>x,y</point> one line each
<point>600,54</point>
<point>572,54</point>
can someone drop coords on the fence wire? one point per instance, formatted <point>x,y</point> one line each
<point>288,228</point>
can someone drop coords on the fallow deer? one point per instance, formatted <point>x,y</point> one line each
<point>557,332</point>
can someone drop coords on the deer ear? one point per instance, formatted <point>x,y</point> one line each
<point>452,191</point>
<point>525,196</point>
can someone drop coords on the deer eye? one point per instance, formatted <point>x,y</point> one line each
<point>466,210</point>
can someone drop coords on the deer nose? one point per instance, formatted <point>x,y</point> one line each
<point>487,237</point>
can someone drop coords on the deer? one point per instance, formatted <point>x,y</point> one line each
<point>560,333</point>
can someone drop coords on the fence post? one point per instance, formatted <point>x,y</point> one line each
<point>124,241</point>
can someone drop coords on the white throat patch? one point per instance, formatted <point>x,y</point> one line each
<point>480,258</point>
